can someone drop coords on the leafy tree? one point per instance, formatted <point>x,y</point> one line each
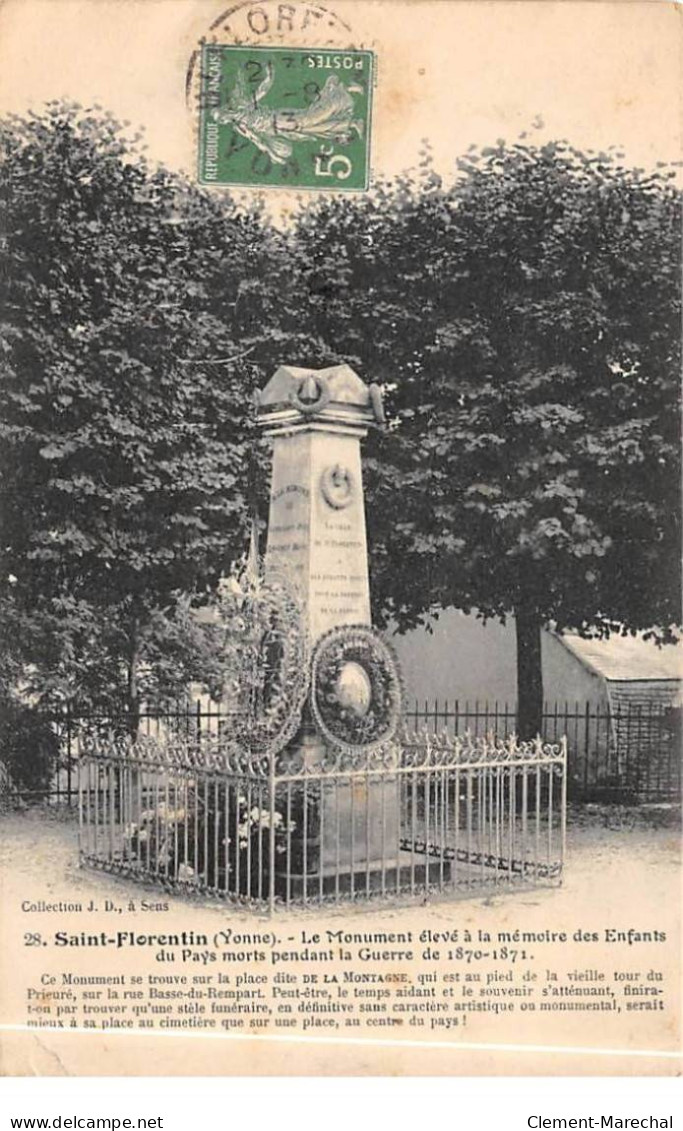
<point>525,326</point>
<point>29,747</point>
<point>138,317</point>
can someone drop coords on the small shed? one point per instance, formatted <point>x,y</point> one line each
<point>635,671</point>
<point>463,658</point>
<point>617,700</point>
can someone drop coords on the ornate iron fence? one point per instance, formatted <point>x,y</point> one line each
<point>625,752</point>
<point>425,816</point>
<point>629,753</point>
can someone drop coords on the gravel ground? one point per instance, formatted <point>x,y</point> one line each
<point>39,852</point>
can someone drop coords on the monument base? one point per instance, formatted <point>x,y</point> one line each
<point>344,823</point>
<point>394,878</point>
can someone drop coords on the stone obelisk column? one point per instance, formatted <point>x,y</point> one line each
<point>316,535</point>
<point>316,524</point>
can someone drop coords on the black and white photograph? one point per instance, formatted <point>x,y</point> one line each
<point>341,667</point>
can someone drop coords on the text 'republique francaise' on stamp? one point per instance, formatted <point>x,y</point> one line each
<point>285,117</point>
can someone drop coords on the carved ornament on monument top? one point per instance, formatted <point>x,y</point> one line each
<point>335,397</point>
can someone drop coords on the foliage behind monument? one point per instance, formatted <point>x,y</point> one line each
<point>525,324</point>
<point>131,324</point>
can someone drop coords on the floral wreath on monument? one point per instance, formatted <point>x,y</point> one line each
<point>265,655</point>
<point>355,689</point>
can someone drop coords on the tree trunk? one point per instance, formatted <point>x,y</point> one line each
<point>529,672</point>
<point>133,693</point>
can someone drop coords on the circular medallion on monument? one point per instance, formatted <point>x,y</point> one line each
<point>355,688</point>
<point>336,485</point>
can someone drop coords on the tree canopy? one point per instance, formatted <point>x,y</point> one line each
<point>133,307</point>
<point>524,323</point>
<point>525,326</point>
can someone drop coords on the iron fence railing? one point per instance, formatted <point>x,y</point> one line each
<point>625,752</point>
<point>426,815</point>
<point>629,753</point>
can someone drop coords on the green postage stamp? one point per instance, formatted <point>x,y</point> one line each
<point>297,118</point>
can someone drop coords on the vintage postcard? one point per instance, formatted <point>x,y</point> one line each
<point>341,680</point>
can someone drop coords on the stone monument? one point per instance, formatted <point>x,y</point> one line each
<point>317,535</point>
<point>316,524</point>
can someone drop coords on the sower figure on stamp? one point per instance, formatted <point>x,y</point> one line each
<point>330,116</point>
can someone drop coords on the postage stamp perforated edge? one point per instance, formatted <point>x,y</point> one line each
<point>328,181</point>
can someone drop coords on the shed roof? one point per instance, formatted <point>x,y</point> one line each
<point>628,657</point>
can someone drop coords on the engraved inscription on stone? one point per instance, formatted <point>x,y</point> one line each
<point>316,526</point>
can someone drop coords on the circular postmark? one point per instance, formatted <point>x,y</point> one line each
<point>266,24</point>
<point>282,97</point>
